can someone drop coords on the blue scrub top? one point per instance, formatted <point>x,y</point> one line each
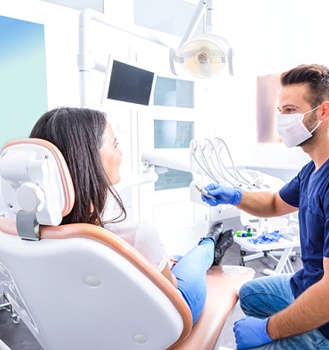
<point>309,192</point>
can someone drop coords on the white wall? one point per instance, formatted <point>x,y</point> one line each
<point>267,37</point>
<point>61,28</point>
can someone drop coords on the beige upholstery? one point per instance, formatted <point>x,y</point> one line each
<point>46,271</point>
<point>223,283</point>
<point>68,286</point>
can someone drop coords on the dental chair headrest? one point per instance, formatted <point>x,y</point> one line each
<point>36,184</point>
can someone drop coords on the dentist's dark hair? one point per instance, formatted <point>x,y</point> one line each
<point>315,76</point>
<point>77,133</point>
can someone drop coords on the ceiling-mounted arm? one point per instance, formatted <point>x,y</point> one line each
<point>203,56</point>
<point>86,62</point>
<point>209,17</point>
<point>208,30</point>
<point>198,13</point>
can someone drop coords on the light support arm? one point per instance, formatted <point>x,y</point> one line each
<point>204,8</point>
<point>86,62</point>
<point>203,56</point>
<point>166,161</point>
<point>209,17</point>
<point>198,14</point>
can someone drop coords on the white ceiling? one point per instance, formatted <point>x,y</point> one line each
<point>97,5</point>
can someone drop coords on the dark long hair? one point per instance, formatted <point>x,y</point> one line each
<point>77,133</point>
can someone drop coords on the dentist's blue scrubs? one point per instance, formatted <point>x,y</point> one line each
<point>309,191</point>
<point>265,296</point>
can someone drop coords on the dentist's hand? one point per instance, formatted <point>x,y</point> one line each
<point>251,332</point>
<point>223,195</point>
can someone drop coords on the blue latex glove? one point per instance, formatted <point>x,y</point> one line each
<point>223,195</point>
<point>266,238</point>
<point>251,332</point>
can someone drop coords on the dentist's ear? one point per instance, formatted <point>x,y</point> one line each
<point>325,111</point>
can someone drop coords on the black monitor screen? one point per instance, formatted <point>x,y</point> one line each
<point>130,84</point>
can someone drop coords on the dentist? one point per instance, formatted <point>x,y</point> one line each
<point>291,311</point>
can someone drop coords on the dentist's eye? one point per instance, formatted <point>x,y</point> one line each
<point>287,110</point>
<point>290,110</point>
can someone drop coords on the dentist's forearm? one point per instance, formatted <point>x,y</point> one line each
<point>264,204</point>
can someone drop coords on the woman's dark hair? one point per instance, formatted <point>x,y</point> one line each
<point>77,133</point>
<point>315,76</point>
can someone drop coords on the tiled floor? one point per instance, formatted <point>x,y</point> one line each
<point>18,337</point>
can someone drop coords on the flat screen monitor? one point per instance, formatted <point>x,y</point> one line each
<point>128,82</point>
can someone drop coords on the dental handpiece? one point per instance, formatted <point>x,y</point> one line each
<point>204,192</point>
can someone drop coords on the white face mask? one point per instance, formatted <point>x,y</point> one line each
<point>291,129</point>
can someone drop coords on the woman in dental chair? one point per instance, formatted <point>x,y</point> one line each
<point>90,148</point>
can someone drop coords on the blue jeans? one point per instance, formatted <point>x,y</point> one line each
<point>263,297</point>
<point>191,271</point>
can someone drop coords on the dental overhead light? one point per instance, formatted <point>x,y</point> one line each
<point>203,56</point>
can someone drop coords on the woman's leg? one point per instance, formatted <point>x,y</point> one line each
<point>264,296</point>
<point>191,271</point>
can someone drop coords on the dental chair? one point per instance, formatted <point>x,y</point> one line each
<point>79,286</point>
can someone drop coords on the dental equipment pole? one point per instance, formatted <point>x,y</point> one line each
<point>85,60</point>
<point>209,17</point>
<point>208,30</point>
<point>155,159</point>
<point>213,52</point>
<point>198,13</point>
